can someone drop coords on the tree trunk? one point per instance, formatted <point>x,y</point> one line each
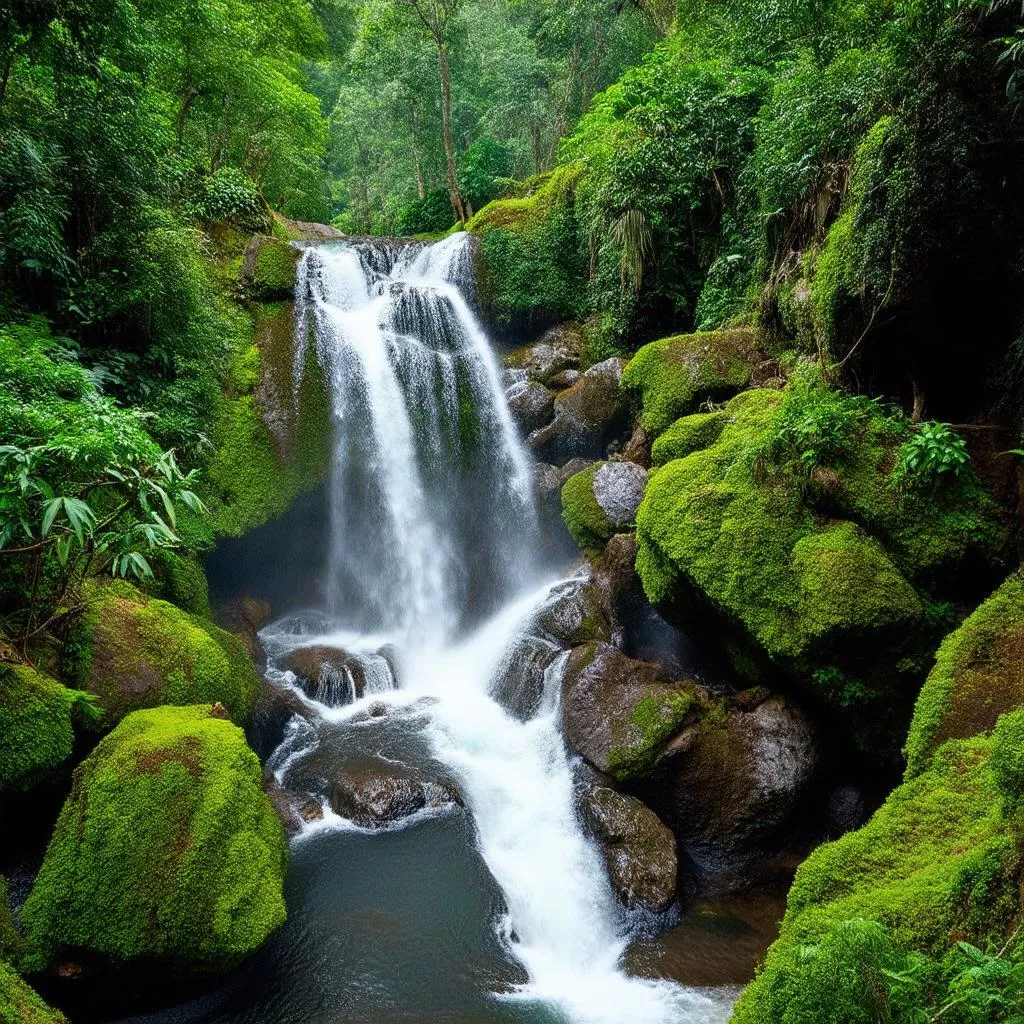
<point>421,188</point>
<point>446,125</point>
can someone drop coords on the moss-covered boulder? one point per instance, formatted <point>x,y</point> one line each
<point>20,1004</point>
<point>602,500</point>
<point>167,849</point>
<point>133,652</point>
<point>688,434</point>
<point>978,675</point>
<point>37,726</point>
<point>938,863</point>
<point>268,271</point>
<point>673,375</point>
<point>829,572</point>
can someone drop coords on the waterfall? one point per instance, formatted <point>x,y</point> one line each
<point>432,580</point>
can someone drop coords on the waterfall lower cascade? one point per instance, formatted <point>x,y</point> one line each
<point>432,580</point>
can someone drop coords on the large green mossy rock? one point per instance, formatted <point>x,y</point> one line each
<point>133,652</point>
<point>828,574</point>
<point>978,675</point>
<point>269,268</point>
<point>19,1004</point>
<point>166,849</point>
<point>673,375</point>
<point>37,726</point>
<point>938,863</point>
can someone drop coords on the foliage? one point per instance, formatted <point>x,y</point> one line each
<point>167,848</point>
<point>933,455</point>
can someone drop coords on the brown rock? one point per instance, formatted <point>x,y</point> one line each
<point>329,675</point>
<point>378,793</point>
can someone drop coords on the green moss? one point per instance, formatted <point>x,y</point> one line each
<point>179,579</point>
<point>138,652</point>
<point>937,863</point>
<point>655,720</point>
<point>672,375</point>
<point>816,566</point>
<point>584,517</point>
<point>1008,758</point>
<point>19,1004</point>
<point>978,675</point>
<point>686,435</point>
<point>271,271</point>
<point>167,848</point>
<point>37,725</point>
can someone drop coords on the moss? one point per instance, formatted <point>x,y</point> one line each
<point>978,675</point>
<point>37,725</point>
<point>270,270</point>
<point>1008,759</point>
<point>19,1004</point>
<point>167,848</point>
<point>179,579</point>
<point>135,652</point>
<point>586,520</point>
<point>686,435</point>
<point>672,375</point>
<point>809,565</point>
<point>937,863</point>
<point>655,720</point>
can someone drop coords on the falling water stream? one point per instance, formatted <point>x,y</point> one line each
<point>495,907</point>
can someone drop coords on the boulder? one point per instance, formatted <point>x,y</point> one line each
<point>617,714</point>
<point>268,269</point>
<point>245,617</point>
<point>167,850</point>
<point>733,778</point>
<point>639,850</point>
<point>588,415</point>
<point>575,612</point>
<point>564,380</point>
<point>530,403</point>
<point>329,675</point>
<point>518,682</point>
<point>378,793</point>
<point>134,652</point>
<point>845,810</point>
<point>602,500</point>
<point>555,352</point>
<point>20,1004</point>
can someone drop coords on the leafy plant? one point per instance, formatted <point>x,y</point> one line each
<point>935,453</point>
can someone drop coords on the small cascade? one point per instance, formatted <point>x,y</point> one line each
<point>424,688</point>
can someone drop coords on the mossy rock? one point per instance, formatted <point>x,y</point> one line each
<point>978,675</point>
<point>673,375</point>
<point>133,652</point>
<point>938,863</point>
<point>167,849</point>
<point>19,1004</point>
<point>826,574</point>
<point>688,434</point>
<point>37,726</point>
<point>181,580</point>
<point>269,268</point>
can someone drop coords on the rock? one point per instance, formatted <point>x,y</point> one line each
<point>639,850</point>
<point>575,614</point>
<point>617,714</point>
<point>555,352</point>
<point>20,1004</point>
<point>167,850</point>
<point>329,675</point>
<point>268,269</point>
<point>588,415</point>
<point>273,709</point>
<point>303,230</point>
<point>638,448</point>
<point>245,617</point>
<point>845,810</point>
<point>563,380</point>
<point>518,683</point>
<point>378,793</point>
<point>733,779</point>
<point>673,375</point>
<point>37,726</point>
<point>531,404</point>
<point>602,500</point>
<point>133,652</point>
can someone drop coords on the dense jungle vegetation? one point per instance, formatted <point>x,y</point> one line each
<point>816,206</point>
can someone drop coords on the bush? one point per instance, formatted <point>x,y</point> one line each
<point>228,196</point>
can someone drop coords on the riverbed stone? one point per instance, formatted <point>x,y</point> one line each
<point>639,850</point>
<point>530,403</point>
<point>328,674</point>
<point>376,794</point>
<point>602,500</point>
<point>575,613</point>
<point>555,352</point>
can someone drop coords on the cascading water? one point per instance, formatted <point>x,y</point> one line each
<point>432,583</point>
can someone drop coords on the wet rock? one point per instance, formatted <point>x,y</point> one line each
<point>553,353</point>
<point>845,810</point>
<point>617,714</point>
<point>376,794</point>
<point>274,708</point>
<point>531,404</point>
<point>618,490</point>
<point>245,617</point>
<point>588,415</point>
<point>638,448</point>
<point>639,850</point>
<point>518,683</point>
<point>329,675</point>
<point>576,613</point>
<point>390,655</point>
<point>734,778</point>
<point>563,380</point>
